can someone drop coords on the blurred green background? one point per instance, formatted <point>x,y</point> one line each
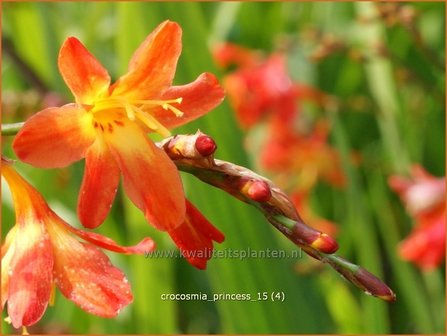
<point>392,113</point>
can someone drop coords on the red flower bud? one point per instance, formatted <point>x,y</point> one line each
<point>205,145</point>
<point>325,244</point>
<point>257,190</point>
<point>314,238</point>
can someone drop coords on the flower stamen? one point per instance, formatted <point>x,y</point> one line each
<point>173,109</point>
<point>151,122</point>
<point>129,111</point>
<point>135,109</point>
<point>52,295</point>
<point>165,104</point>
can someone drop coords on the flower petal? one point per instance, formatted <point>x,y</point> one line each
<point>198,98</point>
<point>152,67</point>
<point>55,137</point>
<point>244,100</point>
<point>8,250</point>
<point>146,245</point>
<point>98,189</point>
<point>195,237</point>
<point>151,180</point>
<point>30,274</point>
<point>85,275</point>
<point>425,246</point>
<point>84,75</point>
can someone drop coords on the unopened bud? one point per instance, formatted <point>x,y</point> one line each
<point>315,239</point>
<point>325,244</point>
<point>257,190</point>
<point>363,279</point>
<point>193,146</point>
<point>373,285</point>
<point>205,145</point>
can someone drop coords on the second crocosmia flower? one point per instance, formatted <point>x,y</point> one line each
<point>424,198</point>
<point>261,88</point>
<point>108,126</point>
<point>258,90</point>
<point>41,251</point>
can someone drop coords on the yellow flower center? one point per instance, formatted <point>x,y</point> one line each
<point>135,110</point>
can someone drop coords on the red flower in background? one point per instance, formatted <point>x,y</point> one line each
<point>261,87</point>
<point>308,158</point>
<point>424,198</point>
<point>40,251</point>
<point>227,54</point>
<point>261,91</point>
<point>108,125</point>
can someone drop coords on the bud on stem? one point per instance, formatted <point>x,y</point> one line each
<point>205,145</point>
<point>363,279</point>
<point>304,235</point>
<point>256,190</point>
<point>198,147</point>
<point>189,153</point>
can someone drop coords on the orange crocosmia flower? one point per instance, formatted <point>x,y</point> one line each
<point>108,124</point>
<point>424,198</point>
<point>195,237</point>
<point>40,251</point>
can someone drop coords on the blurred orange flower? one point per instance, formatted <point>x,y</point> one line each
<point>261,87</point>
<point>308,158</point>
<point>108,124</point>
<point>424,198</point>
<point>40,251</point>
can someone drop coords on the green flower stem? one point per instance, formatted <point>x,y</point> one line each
<point>11,129</point>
